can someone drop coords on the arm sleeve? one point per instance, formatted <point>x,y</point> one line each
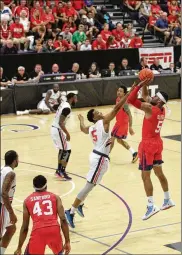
<point>132,99</point>
<point>66,112</point>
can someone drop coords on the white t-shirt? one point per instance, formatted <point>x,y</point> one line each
<point>6,13</point>
<point>25,23</point>
<point>84,47</point>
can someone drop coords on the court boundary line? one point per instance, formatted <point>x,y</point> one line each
<point>114,193</point>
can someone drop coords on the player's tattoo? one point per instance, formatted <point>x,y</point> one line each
<point>5,190</point>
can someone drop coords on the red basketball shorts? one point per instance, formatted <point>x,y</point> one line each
<point>120,130</point>
<point>150,153</point>
<point>42,237</point>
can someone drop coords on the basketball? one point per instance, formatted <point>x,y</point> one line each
<point>146,74</point>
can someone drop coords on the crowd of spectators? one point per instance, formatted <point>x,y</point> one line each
<point>57,26</point>
<point>22,77</point>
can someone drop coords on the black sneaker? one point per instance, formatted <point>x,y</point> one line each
<point>65,176</point>
<point>80,210</point>
<point>135,157</point>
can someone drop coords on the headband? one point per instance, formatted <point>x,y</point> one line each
<point>161,97</point>
<point>41,188</point>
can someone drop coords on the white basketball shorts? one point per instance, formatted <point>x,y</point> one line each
<point>59,139</point>
<point>98,167</point>
<point>42,105</point>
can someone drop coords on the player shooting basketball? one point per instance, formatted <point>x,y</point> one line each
<point>151,146</point>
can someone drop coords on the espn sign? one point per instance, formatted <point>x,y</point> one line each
<point>165,55</point>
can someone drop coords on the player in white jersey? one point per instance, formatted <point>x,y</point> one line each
<point>8,184</point>
<point>99,157</point>
<point>48,104</point>
<point>61,136</point>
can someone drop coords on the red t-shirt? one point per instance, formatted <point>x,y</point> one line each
<point>4,32</point>
<point>61,10</point>
<point>55,2</point>
<point>34,9</point>
<point>173,8</point>
<point>78,4</point>
<point>105,34</point>
<point>152,20</point>
<point>17,30</point>
<point>37,21</point>
<point>42,207</point>
<point>113,45</point>
<point>155,8</point>
<point>98,45</point>
<point>132,3</point>
<point>70,12</point>
<point>118,34</point>
<point>152,126</point>
<point>136,42</point>
<point>63,43</point>
<point>6,2</point>
<point>48,17</point>
<point>172,19</point>
<point>72,29</point>
<point>21,8</point>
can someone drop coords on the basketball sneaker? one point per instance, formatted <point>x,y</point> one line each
<point>19,113</point>
<point>80,210</point>
<point>151,210</point>
<point>65,176</point>
<point>168,203</point>
<point>135,157</point>
<point>70,218</point>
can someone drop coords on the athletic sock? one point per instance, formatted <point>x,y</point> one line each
<point>82,203</point>
<point>150,201</point>
<point>166,195</point>
<point>62,170</point>
<point>73,209</point>
<point>2,250</point>
<point>132,150</point>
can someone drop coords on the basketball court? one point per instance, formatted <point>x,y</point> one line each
<point>113,211</point>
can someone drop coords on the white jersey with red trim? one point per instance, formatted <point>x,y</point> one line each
<point>54,97</point>
<point>4,171</point>
<point>56,120</point>
<point>100,138</point>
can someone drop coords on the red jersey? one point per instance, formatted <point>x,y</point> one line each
<point>4,32</point>
<point>105,34</point>
<point>118,34</point>
<point>17,30</point>
<point>42,207</point>
<point>152,126</point>
<point>97,45</point>
<point>136,42</point>
<point>122,117</point>
<point>21,8</point>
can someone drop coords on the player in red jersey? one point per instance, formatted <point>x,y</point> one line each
<point>44,208</point>
<point>151,146</point>
<point>123,121</point>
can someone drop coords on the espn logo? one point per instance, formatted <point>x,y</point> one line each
<point>166,57</point>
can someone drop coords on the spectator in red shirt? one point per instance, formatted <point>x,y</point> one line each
<point>136,42</point>
<point>125,42</point>
<point>105,32</point>
<point>52,2</point>
<point>61,45</point>
<point>21,7</point>
<point>152,20</point>
<point>36,7</point>
<point>155,7</point>
<point>172,18</point>
<point>70,11</point>
<point>78,4</point>
<point>5,33</point>
<point>118,33</point>
<point>111,43</point>
<point>48,18</point>
<point>18,34</point>
<point>99,43</point>
<point>71,24</point>
<point>173,7</point>
<point>36,21</point>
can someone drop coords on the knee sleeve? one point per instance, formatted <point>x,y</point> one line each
<point>65,155</point>
<point>85,191</point>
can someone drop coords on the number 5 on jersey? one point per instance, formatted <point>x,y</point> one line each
<point>94,135</point>
<point>37,209</point>
<point>159,126</point>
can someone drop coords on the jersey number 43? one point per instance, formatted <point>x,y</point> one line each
<point>37,209</point>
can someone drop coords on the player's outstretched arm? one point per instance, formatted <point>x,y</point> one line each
<point>133,98</point>
<point>83,128</point>
<point>110,116</point>
<point>145,94</point>
<point>64,225</point>
<point>24,229</point>
<point>5,196</point>
<point>128,112</point>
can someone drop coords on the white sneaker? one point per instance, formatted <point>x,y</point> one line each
<point>151,210</point>
<point>26,112</point>
<point>18,113</point>
<point>168,203</point>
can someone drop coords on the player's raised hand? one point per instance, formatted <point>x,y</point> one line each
<point>67,248</point>
<point>144,82</point>
<point>80,117</point>
<point>17,252</point>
